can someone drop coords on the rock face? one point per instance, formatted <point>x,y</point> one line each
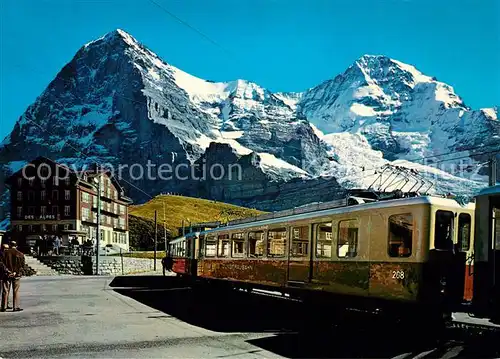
<point>117,102</point>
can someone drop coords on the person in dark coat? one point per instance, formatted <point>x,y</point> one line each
<point>13,262</point>
<point>3,270</point>
<point>167,263</point>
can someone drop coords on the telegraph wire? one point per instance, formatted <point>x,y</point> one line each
<point>439,155</point>
<point>172,15</point>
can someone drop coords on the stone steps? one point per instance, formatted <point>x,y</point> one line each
<point>40,268</point>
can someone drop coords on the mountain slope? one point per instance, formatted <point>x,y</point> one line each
<point>118,102</point>
<point>196,210</point>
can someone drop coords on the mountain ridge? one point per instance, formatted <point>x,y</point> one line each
<point>117,101</point>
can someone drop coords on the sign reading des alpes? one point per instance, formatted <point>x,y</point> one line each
<point>44,216</point>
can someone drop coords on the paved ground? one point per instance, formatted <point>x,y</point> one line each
<point>106,317</point>
<point>82,317</point>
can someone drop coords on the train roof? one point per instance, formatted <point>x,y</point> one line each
<point>490,190</point>
<point>349,204</point>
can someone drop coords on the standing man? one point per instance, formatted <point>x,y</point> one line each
<point>57,245</point>
<point>3,270</point>
<point>13,261</point>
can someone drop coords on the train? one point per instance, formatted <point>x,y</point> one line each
<point>415,256</point>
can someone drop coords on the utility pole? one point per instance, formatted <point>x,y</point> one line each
<point>493,170</point>
<point>156,239</point>
<point>165,227</point>
<point>98,232</point>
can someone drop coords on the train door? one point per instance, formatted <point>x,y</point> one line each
<point>465,247</point>
<point>495,257</point>
<point>448,259</point>
<point>299,255</point>
<point>192,257</point>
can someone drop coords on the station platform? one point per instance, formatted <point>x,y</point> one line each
<point>461,318</point>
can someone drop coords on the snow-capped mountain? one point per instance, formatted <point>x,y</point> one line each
<point>118,102</point>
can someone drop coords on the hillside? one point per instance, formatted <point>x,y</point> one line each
<point>178,208</point>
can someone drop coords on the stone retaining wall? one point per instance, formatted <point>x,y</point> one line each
<point>107,265</point>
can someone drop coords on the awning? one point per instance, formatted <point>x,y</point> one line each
<point>73,231</point>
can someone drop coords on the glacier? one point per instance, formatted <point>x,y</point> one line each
<point>118,102</point>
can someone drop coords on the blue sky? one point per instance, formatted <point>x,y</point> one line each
<point>284,45</point>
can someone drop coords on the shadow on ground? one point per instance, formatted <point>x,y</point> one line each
<point>296,331</point>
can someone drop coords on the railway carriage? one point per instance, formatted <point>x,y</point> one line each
<point>407,254</point>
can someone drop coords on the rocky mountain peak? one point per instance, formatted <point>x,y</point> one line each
<point>117,101</point>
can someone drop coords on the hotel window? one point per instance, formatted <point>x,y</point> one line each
<point>67,194</point>
<point>31,210</point>
<point>44,170</point>
<point>31,195</point>
<point>85,214</point>
<point>19,195</point>
<point>43,227</point>
<point>43,210</point>
<point>54,228</point>
<point>54,210</point>
<point>55,194</point>
<point>115,237</point>
<point>19,181</point>
<point>20,227</point>
<point>19,211</point>
<point>31,180</point>
<point>67,210</point>
<point>42,195</point>
<point>30,228</point>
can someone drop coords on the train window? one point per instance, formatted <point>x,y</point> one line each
<point>323,240</point>
<point>464,225</point>
<point>400,235</point>
<point>276,242</point>
<point>443,232</point>
<point>347,246</point>
<point>256,244</point>
<point>201,246</point>
<point>238,240</point>
<point>223,247</point>
<point>300,241</point>
<point>210,246</point>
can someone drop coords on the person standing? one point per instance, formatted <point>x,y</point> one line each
<point>3,271</point>
<point>14,262</point>
<point>57,245</point>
